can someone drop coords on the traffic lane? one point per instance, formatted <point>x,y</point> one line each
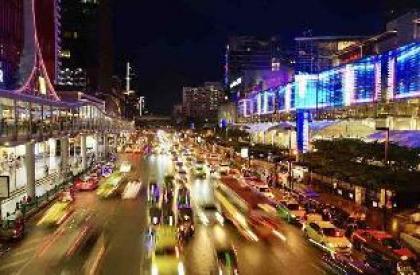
<point>126,226</point>
<point>274,256</point>
<point>24,252</point>
<point>294,254</point>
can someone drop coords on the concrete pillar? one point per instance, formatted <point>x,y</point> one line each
<point>106,145</point>
<point>29,163</point>
<point>64,152</point>
<point>83,151</point>
<point>52,144</point>
<point>96,146</point>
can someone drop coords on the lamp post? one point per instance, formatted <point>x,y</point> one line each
<point>386,163</point>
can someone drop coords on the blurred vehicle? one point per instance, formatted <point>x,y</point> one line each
<point>390,265</point>
<point>166,257</point>
<point>327,236</point>
<point>226,261</point>
<point>199,170</point>
<point>369,240</point>
<point>353,224</point>
<point>346,265</point>
<point>110,186</point>
<point>265,225</point>
<point>56,214</point>
<point>209,214</point>
<point>86,183</point>
<point>185,223</point>
<point>183,198</point>
<point>224,168</point>
<point>70,239</point>
<point>12,228</point>
<point>125,167</point>
<point>291,211</point>
<point>131,190</point>
<point>153,192</point>
<point>155,215</point>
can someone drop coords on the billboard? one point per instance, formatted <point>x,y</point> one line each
<point>4,187</point>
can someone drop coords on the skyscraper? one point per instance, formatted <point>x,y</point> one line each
<point>87,46</point>
<point>246,53</point>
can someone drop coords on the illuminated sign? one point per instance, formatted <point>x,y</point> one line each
<point>235,83</point>
<point>42,85</point>
<point>302,130</point>
<point>1,74</point>
<point>4,187</point>
<point>244,153</point>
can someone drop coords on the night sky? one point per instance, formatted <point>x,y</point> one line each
<point>177,43</point>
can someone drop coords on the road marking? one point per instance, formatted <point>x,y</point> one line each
<point>23,251</point>
<point>13,263</point>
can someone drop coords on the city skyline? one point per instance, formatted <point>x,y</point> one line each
<point>170,50</point>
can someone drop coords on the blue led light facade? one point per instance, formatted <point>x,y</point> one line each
<point>330,88</point>
<point>394,74</point>
<point>364,80</point>
<point>407,70</point>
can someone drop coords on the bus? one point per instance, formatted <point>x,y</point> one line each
<point>251,213</point>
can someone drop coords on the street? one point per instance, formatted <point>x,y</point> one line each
<point>124,223</point>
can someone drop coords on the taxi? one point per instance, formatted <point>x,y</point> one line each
<point>291,211</point>
<point>166,256</point>
<point>327,236</point>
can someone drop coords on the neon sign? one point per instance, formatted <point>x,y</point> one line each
<point>235,83</point>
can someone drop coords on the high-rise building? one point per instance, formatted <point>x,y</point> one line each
<point>246,53</point>
<point>87,46</point>
<point>318,53</point>
<point>79,45</point>
<point>399,31</point>
<point>11,40</point>
<point>202,103</point>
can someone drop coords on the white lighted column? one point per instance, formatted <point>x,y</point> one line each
<point>64,152</point>
<point>96,139</point>
<point>29,162</point>
<point>83,151</point>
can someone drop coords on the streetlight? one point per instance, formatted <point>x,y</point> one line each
<point>386,163</point>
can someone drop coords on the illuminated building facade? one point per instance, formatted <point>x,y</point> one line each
<point>352,84</point>
<point>202,103</point>
<point>315,54</point>
<point>79,45</point>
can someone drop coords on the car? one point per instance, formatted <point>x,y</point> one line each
<point>327,236</point>
<point>209,214</point>
<point>344,264</point>
<point>183,198</point>
<point>125,167</point>
<point>368,240</point>
<point>166,255</point>
<point>291,211</point>
<point>13,228</point>
<point>199,172</point>
<point>86,183</point>
<point>56,214</point>
<point>226,261</point>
